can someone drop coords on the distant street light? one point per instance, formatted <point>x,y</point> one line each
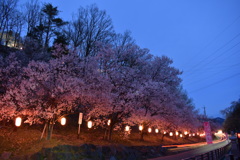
<point>18,121</point>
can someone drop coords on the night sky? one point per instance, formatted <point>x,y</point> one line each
<point>201,37</point>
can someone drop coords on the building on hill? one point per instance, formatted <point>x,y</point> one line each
<point>11,39</point>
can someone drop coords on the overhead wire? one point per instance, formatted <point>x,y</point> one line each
<point>214,56</point>
<point>229,56</point>
<point>212,75</point>
<point>216,51</point>
<point>216,37</point>
<point>217,57</point>
<point>212,84</point>
<point>223,53</point>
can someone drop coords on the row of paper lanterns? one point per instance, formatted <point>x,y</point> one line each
<point>63,121</point>
<point>18,121</point>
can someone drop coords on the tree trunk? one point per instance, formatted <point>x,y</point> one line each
<point>44,129</point>
<point>162,137</point>
<point>110,133</point>
<point>50,129</point>
<point>4,123</point>
<point>105,134</point>
<point>3,28</point>
<point>141,136</point>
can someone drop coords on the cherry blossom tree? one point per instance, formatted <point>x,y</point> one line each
<point>10,78</point>
<point>122,70</point>
<point>50,89</point>
<point>127,86</point>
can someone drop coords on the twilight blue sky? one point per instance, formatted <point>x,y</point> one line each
<point>202,37</point>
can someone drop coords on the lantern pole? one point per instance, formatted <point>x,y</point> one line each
<point>79,124</point>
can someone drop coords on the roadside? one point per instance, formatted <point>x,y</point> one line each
<point>175,149</point>
<point>193,149</point>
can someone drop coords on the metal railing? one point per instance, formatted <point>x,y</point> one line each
<point>216,154</point>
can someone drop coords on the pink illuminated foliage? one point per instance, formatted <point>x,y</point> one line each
<point>125,84</point>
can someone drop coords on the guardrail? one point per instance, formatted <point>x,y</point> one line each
<point>212,155</point>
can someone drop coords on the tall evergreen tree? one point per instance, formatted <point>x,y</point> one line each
<point>232,122</point>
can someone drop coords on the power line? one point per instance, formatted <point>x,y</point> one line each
<point>214,83</point>
<point>189,71</point>
<point>207,63</point>
<point>216,66</point>
<point>223,53</point>
<point>216,37</point>
<point>238,51</point>
<point>212,75</point>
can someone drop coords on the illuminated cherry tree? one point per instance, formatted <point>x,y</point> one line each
<point>48,90</point>
<point>10,78</point>
<point>124,84</point>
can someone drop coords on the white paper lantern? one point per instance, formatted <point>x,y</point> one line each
<point>127,128</point>
<point>89,124</point>
<point>18,121</point>
<point>63,121</point>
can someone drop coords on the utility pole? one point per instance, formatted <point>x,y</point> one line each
<point>205,112</point>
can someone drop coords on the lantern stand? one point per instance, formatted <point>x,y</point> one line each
<point>141,132</point>
<point>107,130</point>
<point>164,133</point>
<point>79,124</point>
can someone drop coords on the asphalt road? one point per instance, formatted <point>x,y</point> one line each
<point>202,149</point>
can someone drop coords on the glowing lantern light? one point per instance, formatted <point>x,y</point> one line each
<point>203,134</point>
<point>156,130</point>
<point>170,134</point>
<point>109,122</point>
<point>63,121</point>
<point>149,130</point>
<point>89,124</point>
<point>127,128</point>
<point>164,132</point>
<point>181,135</point>
<point>185,132</point>
<point>238,135</point>
<point>193,134</point>
<point>177,133</point>
<point>220,132</point>
<point>18,121</point>
<point>140,127</point>
<point>197,133</point>
<point>190,135</point>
